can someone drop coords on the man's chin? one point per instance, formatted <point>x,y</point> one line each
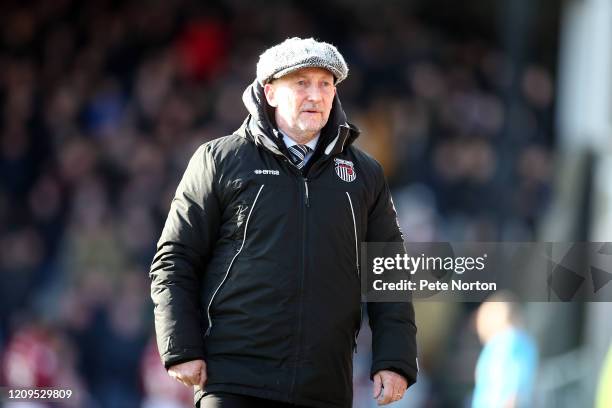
<point>312,127</point>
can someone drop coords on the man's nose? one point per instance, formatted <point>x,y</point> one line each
<point>314,94</point>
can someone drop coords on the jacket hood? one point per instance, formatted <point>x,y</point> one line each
<point>336,135</point>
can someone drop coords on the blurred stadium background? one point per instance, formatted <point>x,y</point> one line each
<point>493,120</point>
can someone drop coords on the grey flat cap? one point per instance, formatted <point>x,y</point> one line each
<point>297,53</point>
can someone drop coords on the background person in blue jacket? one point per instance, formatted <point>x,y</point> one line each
<point>507,365</point>
<point>256,279</point>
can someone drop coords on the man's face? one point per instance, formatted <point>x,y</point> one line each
<point>303,100</point>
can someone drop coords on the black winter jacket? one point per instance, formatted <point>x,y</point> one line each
<point>257,268</point>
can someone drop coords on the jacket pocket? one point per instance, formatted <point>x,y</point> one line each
<point>233,260</point>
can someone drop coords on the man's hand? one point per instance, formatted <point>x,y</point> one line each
<point>190,373</point>
<point>389,386</point>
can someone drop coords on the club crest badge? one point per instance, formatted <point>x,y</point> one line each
<point>345,170</point>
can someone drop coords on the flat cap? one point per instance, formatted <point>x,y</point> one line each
<point>297,53</point>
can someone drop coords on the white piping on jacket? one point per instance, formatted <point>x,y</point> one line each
<point>246,226</point>
<point>357,265</point>
<point>355,230</point>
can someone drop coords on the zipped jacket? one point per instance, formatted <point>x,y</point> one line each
<point>257,268</point>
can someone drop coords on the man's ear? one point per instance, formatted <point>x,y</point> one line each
<point>269,91</point>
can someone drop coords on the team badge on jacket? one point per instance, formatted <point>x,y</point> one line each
<point>345,170</point>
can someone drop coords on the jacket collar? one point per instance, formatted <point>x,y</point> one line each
<point>336,136</point>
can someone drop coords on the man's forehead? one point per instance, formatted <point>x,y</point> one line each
<point>310,72</point>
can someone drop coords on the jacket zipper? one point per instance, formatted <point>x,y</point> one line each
<point>357,269</point>
<point>306,196</point>
<point>246,226</point>
<point>301,288</point>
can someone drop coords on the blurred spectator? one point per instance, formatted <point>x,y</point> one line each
<point>203,48</point>
<point>110,334</point>
<point>507,366</point>
<point>40,356</point>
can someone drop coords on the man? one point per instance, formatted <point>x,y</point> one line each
<point>507,365</point>
<point>256,279</point>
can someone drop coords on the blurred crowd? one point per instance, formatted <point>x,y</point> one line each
<point>103,102</point>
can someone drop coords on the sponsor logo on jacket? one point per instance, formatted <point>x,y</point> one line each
<point>268,172</point>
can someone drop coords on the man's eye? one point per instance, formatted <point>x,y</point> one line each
<point>301,82</point>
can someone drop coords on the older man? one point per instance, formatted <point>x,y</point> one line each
<point>256,279</point>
